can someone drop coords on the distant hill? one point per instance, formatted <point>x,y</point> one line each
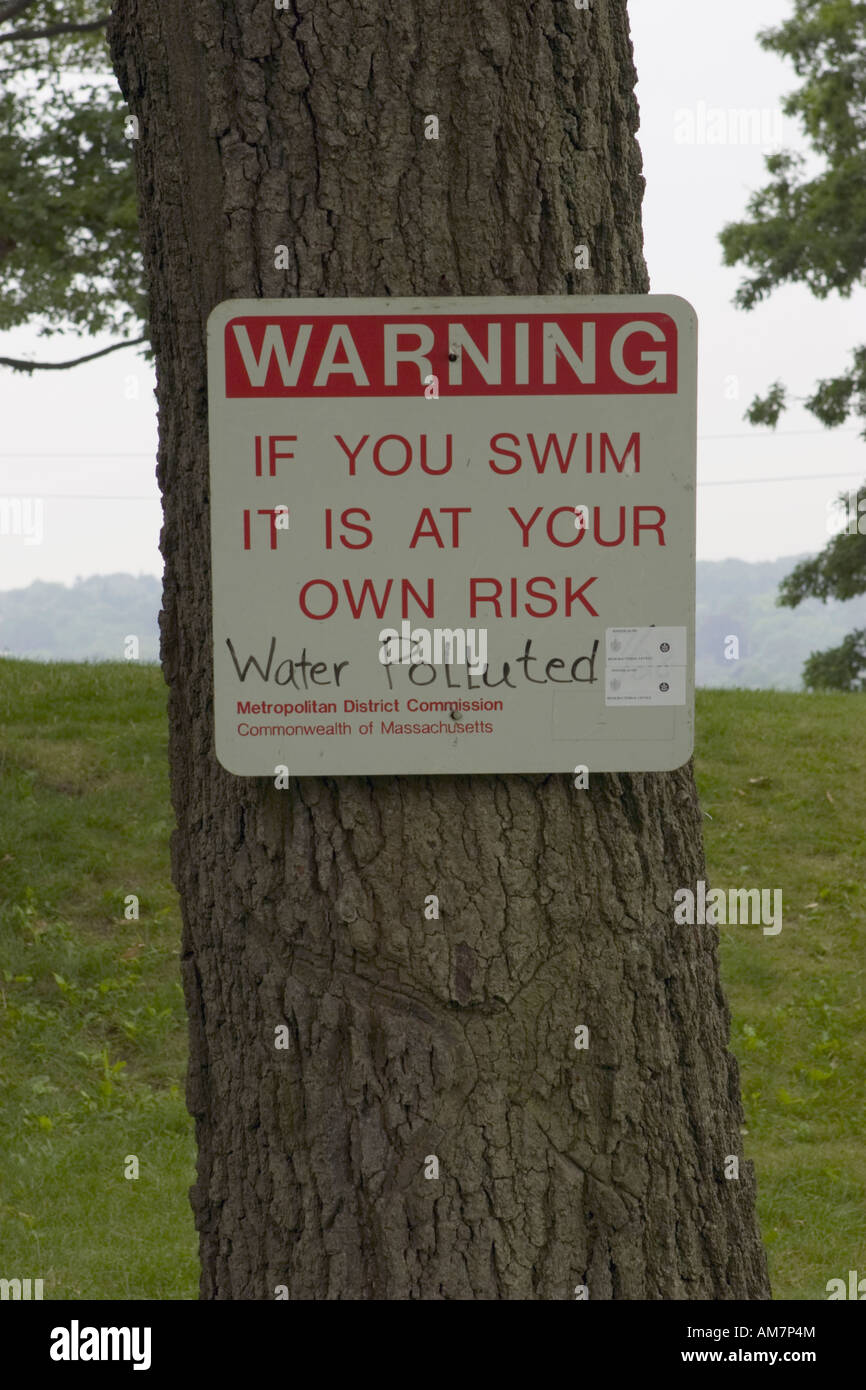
<point>738,598</point>
<point>90,620</point>
<point>86,621</point>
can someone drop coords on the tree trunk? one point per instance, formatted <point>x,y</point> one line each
<point>410,1038</point>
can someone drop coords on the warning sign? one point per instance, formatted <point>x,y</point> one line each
<point>453,535</point>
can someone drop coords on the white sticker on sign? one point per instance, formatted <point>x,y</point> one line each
<point>645,646</point>
<point>646,685</point>
<point>645,666</point>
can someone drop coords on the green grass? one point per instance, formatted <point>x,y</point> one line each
<point>797,999</point>
<point>92,1025</point>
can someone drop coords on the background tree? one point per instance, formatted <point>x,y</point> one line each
<point>839,668</point>
<point>69,251</point>
<point>412,1038</point>
<point>811,230</point>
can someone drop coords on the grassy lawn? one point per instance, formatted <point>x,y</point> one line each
<point>797,999</point>
<point>92,1026</point>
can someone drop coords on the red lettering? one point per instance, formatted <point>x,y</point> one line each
<point>475,598</point>
<point>449,455</point>
<point>571,595</point>
<point>596,527</point>
<point>525,525</point>
<point>335,599</point>
<point>426,608</point>
<point>426,518</point>
<point>549,599</point>
<point>407,459</point>
<point>367,591</point>
<point>552,439</point>
<point>619,464</point>
<point>569,511</point>
<point>506,452</point>
<point>274,454</point>
<point>351,454</point>
<point>649,525</point>
<point>354,526</point>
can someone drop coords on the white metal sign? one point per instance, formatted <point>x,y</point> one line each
<point>453,535</point>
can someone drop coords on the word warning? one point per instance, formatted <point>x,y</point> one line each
<point>453,535</point>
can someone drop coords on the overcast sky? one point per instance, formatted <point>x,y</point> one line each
<point>82,439</point>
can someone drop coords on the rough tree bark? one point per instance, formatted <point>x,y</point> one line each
<point>410,1037</point>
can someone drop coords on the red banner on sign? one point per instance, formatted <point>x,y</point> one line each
<point>553,354</point>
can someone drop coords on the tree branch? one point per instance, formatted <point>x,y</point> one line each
<point>21,364</point>
<point>13,7</point>
<point>49,33</point>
